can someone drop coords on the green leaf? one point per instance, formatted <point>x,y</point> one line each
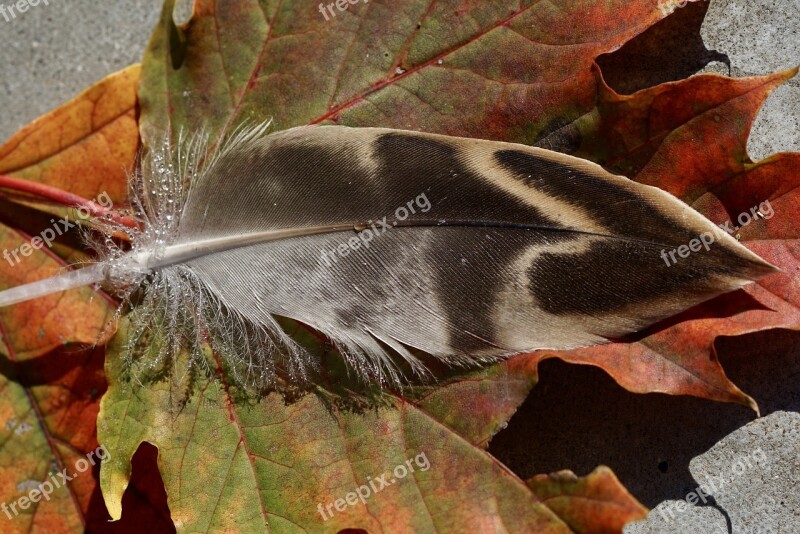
<point>272,465</point>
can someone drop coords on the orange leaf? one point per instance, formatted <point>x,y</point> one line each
<point>87,146</point>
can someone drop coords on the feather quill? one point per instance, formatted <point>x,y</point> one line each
<point>390,242</point>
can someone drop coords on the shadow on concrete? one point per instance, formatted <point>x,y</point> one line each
<point>577,417</point>
<point>670,50</point>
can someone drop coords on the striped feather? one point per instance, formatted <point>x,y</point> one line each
<point>390,241</point>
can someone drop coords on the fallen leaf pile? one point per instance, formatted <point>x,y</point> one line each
<point>521,72</point>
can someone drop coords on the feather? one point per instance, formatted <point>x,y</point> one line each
<point>392,242</point>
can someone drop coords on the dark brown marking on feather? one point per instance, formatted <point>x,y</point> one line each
<point>616,207</point>
<point>421,164</point>
<point>407,158</point>
<point>325,177</point>
<point>299,174</point>
<point>613,275</point>
<point>415,159</point>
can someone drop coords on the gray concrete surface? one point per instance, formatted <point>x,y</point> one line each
<point>660,447</point>
<point>748,482</point>
<point>51,53</point>
<point>759,37</point>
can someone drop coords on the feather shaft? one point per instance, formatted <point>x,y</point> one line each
<point>93,274</point>
<point>148,261</point>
